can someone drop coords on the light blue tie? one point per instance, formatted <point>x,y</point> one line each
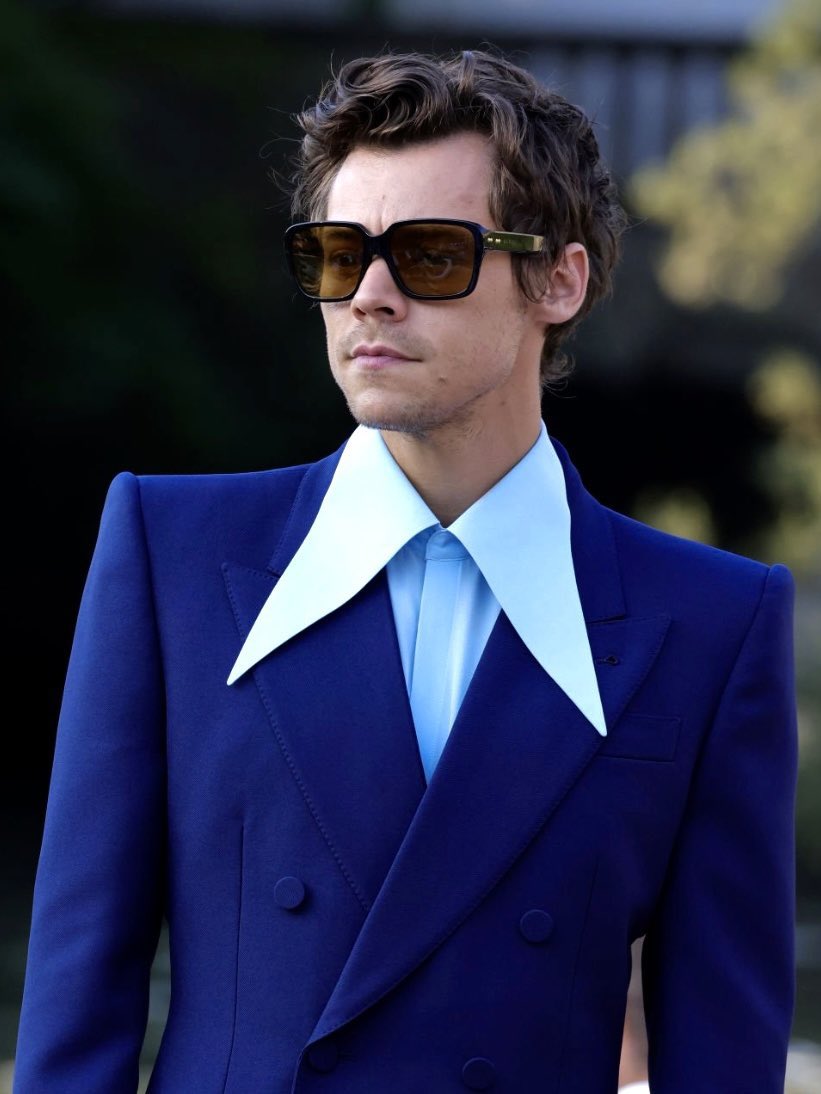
<point>435,691</point>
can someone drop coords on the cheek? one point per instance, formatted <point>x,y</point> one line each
<point>486,335</point>
<point>330,337</point>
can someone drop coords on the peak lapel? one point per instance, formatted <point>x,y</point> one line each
<point>336,701</point>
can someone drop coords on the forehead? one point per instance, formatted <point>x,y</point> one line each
<point>442,178</point>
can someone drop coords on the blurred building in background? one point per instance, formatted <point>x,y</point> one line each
<point>646,71</point>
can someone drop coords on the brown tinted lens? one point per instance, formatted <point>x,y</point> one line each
<point>327,260</point>
<point>433,259</point>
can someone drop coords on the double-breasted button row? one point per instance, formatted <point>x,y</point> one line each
<point>536,925</point>
<point>289,892</point>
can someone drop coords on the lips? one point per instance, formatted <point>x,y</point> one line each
<point>377,356</point>
<point>380,351</point>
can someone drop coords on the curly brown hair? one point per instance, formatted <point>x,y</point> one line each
<point>548,176</point>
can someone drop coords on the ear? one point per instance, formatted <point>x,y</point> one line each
<point>566,285</point>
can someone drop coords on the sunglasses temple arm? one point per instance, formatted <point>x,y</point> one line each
<point>516,242</point>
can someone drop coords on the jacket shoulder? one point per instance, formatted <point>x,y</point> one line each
<point>223,513</point>
<point>193,489</point>
<point>658,566</point>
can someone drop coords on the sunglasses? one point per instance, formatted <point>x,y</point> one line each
<point>428,259</point>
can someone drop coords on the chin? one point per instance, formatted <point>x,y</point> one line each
<point>402,419</point>
<point>394,423</point>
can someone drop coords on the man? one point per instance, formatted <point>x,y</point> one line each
<point>411,744</point>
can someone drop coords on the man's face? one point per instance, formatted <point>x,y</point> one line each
<point>420,365</point>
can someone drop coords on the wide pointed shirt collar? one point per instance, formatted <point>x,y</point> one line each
<point>518,534</point>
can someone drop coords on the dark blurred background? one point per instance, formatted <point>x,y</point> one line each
<point>151,325</point>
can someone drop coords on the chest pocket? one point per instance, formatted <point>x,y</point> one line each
<point>643,737</point>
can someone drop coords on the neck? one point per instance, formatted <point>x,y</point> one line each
<point>453,469</point>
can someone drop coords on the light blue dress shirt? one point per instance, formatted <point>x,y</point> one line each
<point>510,550</point>
<point>444,612</point>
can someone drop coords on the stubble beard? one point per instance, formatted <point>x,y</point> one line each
<point>418,425</point>
<point>420,422</point>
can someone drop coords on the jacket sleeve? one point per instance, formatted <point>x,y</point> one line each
<point>718,960</point>
<point>98,891</point>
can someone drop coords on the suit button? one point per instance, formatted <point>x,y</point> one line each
<point>478,1074</point>
<point>289,892</point>
<point>323,1056</point>
<point>536,925</point>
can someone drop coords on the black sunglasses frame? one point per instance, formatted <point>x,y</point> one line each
<point>378,246</point>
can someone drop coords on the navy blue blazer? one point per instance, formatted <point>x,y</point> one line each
<point>334,924</point>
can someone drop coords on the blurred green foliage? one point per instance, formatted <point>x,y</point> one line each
<point>741,203</point>
<point>741,197</point>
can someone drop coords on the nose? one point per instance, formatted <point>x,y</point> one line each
<point>378,293</point>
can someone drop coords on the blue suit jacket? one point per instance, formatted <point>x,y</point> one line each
<point>336,926</point>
